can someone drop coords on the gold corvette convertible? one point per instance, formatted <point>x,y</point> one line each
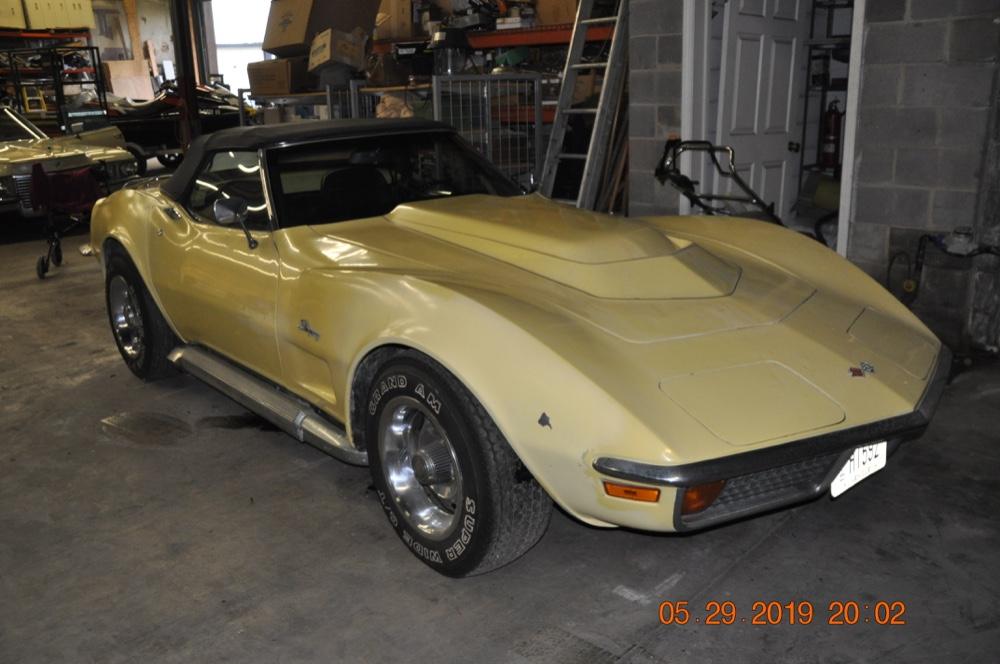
<point>379,290</point>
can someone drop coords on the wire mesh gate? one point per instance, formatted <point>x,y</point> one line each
<point>500,115</point>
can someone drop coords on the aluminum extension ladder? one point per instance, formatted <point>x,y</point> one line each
<point>604,113</point>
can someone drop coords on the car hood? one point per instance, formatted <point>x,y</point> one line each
<point>54,154</point>
<point>780,321</point>
<point>602,256</point>
<point>621,277</point>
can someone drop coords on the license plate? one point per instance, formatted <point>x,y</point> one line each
<point>863,462</point>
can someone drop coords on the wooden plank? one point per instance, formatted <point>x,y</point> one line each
<point>150,54</point>
<point>128,78</point>
<point>132,20</point>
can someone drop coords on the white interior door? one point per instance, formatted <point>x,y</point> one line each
<point>760,95</point>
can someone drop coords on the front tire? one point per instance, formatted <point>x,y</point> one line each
<point>448,481</point>
<point>142,335</point>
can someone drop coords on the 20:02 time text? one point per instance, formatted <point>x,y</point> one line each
<point>800,612</point>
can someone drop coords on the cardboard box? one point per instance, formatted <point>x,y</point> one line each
<point>12,14</point>
<point>292,24</point>
<point>348,48</point>
<point>37,15</point>
<point>554,12</point>
<point>46,14</point>
<point>386,70</point>
<point>395,20</point>
<point>80,14</point>
<point>279,77</point>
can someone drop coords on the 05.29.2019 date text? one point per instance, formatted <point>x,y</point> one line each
<point>796,612</point>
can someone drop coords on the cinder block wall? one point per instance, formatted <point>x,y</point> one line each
<point>654,99</point>
<point>984,320</point>
<point>928,91</point>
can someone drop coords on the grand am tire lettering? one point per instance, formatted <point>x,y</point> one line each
<point>390,383</point>
<point>432,401</point>
<point>444,474</point>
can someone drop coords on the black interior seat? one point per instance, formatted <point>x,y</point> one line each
<point>356,192</point>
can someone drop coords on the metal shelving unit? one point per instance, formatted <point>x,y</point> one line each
<point>546,35</point>
<point>45,70</point>
<point>52,79</point>
<point>820,50</point>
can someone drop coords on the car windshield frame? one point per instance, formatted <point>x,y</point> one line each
<point>16,121</point>
<point>278,202</point>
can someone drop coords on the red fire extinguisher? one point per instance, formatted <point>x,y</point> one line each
<point>832,124</point>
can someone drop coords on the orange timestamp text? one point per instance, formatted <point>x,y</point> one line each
<point>795,612</point>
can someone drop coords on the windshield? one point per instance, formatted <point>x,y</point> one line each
<point>368,177</point>
<point>15,128</point>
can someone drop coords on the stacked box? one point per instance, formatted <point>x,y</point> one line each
<point>279,77</point>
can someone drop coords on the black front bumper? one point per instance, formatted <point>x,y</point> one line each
<point>778,476</point>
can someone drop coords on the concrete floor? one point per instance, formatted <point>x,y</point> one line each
<point>162,523</point>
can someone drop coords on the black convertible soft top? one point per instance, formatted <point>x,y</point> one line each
<point>255,138</point>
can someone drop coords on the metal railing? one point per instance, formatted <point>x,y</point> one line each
<point>340,104</point>
<point>363,100</point>
<point>500,115</point>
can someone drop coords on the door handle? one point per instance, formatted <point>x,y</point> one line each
<point>171,212</point>
<point>794,147</point>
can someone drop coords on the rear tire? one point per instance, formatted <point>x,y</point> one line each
<point>141,333</point>
<point>448,481</point>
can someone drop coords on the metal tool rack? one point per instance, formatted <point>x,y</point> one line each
<point>51,74</point>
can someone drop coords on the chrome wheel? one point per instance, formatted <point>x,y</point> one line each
<point>420,467</point>
<point>126,317</point>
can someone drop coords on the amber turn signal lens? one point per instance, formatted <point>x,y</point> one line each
<point>698,498</point>
<point>640,493</point>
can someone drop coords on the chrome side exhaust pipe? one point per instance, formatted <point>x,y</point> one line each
<point>286,412</point>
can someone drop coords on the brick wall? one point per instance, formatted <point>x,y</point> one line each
<point>654,99</point>
<point>928,90</point>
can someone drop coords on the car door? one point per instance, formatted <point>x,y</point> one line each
<point>761,85</point>
<point>217,290</point>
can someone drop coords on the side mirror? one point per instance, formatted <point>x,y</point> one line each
<point>233,211</point>
<point>230,211</point>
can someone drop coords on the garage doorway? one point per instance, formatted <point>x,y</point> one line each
<point>777,80</point>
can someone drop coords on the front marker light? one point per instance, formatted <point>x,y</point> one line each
<point>629,492</point>
<point>699,498</point>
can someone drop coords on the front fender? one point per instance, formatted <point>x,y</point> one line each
<point>480,336</point>
<point>125,218</point>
